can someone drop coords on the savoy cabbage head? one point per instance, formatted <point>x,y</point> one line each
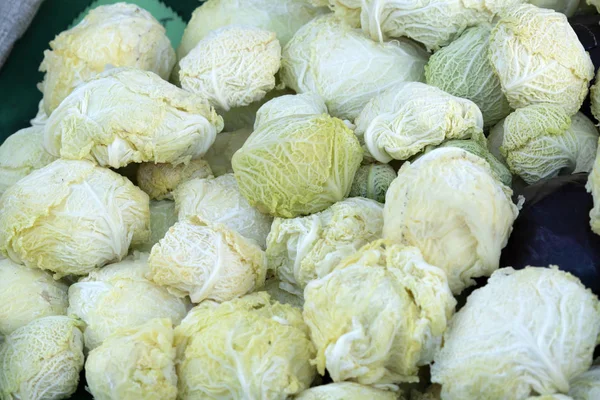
<point>538,59</point>
<point>297,165</point>
<point>525,333</point>
<point>345,67</point>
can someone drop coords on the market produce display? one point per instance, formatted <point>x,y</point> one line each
<point>310,200</point>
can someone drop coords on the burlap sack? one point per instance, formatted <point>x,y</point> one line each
<point>15,17</point>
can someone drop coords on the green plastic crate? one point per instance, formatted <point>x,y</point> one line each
<point>19,96</point>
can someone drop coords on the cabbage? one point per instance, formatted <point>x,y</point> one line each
<point>119,296</point>
<point>595,97</point>
<point>126,115</point>
<point>159,180</point>
<point>123,35</point>
<point>20,154</point>
<point>297,165</point>
<point>525,333</point>
<point>41,117</point>
<point>372,181</point>
<point>284,17</point>
<point>27,294</point>
<point>289,105</point>
<point>538,58</point>
<point>133,364</point>
<point>462,69</point>
<point>232,66</point>
<point>207,261</point>
<point>162,216</point>
<point>449,205</point>
<point>379,315</point>
<point>219,200</point>
<point>345,67</point>
<point>401,121</point>
<point>302,249</point>
<point>221,152</point>
<point>346,391</point>
<point>435,23</point>
<point>72,217</point>
<point>42,360</point>
<point>247,348</point>
<point>541,141</point>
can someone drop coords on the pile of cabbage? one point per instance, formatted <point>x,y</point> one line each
<point>293,204</point>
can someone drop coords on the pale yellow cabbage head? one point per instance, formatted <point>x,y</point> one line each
<point>284,17</point>
<point>163,215</point>
<point>221,152</point>
<point>291,104</point>
<point>207,261</point>
<point>27,294</point>
<point>435,23</point>
<point>372,181</point>
<point>540,141</point>
<point>401,121</point>
<point>303,249</point>
<point>539,59</point>
<point>121,35</point>
<point>526,332</point>
<point>72,217</point>
<point>42,359</point>
<point>127,115</point>
<point>218,200</point>
<point>250,348</point>
<point>345,67</point>
<point>21,153</point>
<point>463,69</point>
<point>593,187</point>
<point>232,66</point>
<point>134,364</point>
<point>159,180</point>
<point>297,165</point>
<point>449,205</point>
<point>551,397</point>
<point>586,386</point>
<point>120,296</point>
<point>347,391</point>
<point>379,315</point>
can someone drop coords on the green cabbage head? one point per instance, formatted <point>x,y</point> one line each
<point>464,70</point>
<point>297,165</point>
<point>42,360</point>
<point>538,58</point>
<point>372,181</point>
